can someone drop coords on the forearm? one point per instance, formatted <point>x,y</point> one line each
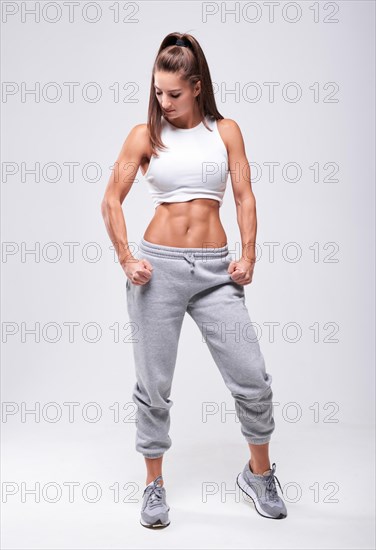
<point>113,216</point>
<point>247,221</point>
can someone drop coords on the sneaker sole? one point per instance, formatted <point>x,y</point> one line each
<point>247,489</point>
<point>156,525</point>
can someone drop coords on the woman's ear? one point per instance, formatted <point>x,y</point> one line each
<point>197,88</point>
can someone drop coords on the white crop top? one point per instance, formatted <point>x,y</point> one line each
<point>195,165</point>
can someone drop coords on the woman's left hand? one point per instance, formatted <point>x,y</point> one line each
<point>241,271</point>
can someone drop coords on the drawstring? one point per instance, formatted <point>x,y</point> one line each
<point>190,259</point>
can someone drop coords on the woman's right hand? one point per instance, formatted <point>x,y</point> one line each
<point>139,272</point>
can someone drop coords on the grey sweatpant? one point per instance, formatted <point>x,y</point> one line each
<point>193,280</point>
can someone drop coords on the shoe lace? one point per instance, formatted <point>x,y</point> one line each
<point>271,489</point>
<point>155,494</point>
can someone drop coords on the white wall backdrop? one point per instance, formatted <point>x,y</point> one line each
<point>299,80</point>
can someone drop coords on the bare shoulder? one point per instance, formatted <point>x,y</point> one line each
<point>229,126</point>
<point>138,139</point>
<point>140,128</point>
<point>230,132</point>
<point>136,146</point>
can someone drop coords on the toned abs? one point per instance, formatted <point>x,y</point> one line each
<point>194,223</point>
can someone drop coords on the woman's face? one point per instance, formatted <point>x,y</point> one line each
<point>175,95</point>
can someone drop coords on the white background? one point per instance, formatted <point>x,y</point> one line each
<point>325,467</point>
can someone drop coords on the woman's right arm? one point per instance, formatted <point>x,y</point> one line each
<point>118,187</point>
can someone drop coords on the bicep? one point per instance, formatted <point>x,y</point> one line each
<point>126,165</point>
<point>238,164</point>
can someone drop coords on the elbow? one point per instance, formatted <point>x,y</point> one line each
<point>248,200</point>
<point>107,204</point>
<point>104,207</point>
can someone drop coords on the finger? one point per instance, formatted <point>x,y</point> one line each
<point>239,277</point>
<point>140,278</point>
<point>240,273</point>
<point>142,275</point>
<point>231,267</point>
<point>147,264</point>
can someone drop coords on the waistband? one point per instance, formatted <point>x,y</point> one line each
<point>177,252</point>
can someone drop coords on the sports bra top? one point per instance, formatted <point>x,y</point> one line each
<point>195,165</point>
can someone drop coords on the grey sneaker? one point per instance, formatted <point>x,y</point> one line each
<point>263,492</point>
<point>154,510</point>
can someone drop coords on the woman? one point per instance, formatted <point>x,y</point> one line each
<point>186,151</point>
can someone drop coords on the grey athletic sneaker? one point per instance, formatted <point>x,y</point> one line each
<point>154,510</point>
<point>262,490</point>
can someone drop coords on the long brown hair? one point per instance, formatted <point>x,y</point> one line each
<point>190,62</point>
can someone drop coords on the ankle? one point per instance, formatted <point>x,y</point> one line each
<point>258,469</point>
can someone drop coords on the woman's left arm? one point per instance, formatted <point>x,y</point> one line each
<point>245,200</point>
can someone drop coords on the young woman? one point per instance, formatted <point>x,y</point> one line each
<point>186,151</point>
